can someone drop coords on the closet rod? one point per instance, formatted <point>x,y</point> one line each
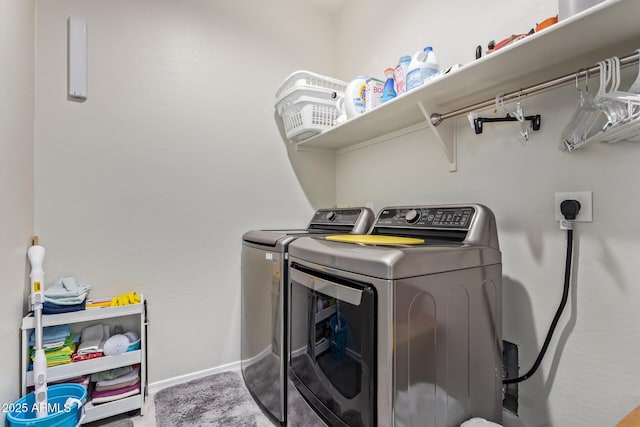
<point>436,119</point>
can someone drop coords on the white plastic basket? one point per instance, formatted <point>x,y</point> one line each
<point>306,116</point>
<point>307,79</point>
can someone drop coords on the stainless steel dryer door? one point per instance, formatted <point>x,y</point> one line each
<point>263,349</point>
<point>333,346</point>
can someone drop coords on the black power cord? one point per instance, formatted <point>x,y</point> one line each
<point>569,209</point>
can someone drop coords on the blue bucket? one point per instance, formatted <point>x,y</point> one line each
<point>61,413</point>
<point>338,337</point>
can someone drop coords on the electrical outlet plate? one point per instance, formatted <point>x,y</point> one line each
<point>586,205</point>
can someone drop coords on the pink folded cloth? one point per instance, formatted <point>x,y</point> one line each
<point>98,400</point>
<point>109,393</point>
<point>132,381</point>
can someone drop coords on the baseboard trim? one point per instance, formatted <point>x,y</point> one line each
<point>159,385</point>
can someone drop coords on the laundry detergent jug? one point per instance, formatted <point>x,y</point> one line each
<point>354,97</point>
<point>424,66</point>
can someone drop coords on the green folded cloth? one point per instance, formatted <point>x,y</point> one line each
<point>110,374</point>
<point>60,356</point>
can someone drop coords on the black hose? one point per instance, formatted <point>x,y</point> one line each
<point>556,318</point>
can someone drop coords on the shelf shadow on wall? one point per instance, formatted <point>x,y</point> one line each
<point>315,170</point>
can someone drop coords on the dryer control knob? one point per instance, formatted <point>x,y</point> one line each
<point>331,215</point>
<point>412,216</point>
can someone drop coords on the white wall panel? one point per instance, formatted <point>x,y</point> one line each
<point>149,184</point>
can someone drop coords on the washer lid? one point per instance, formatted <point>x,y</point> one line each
<point>271,238</point>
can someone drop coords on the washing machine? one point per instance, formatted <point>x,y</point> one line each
<point>264,282</point>
<point>402,326</point>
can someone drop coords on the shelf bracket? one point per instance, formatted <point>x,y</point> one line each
<point>446,136</point>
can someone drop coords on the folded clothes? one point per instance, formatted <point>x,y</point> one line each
<point>114,392</point>
<point>93,338</point>
<point>66,288</point>
<point>74,300</point>
<point>111,373</point>
<point>71,339</point>
<point>134,373</point>
<point>53,345</point>
<point>131,382</point>
<point>58,357</point>
<point>122,395</point>
<point>80,357</point>
<point>66,292</point>
<point>51,334</point>
<point>53,308</point>
<point>56,353</point>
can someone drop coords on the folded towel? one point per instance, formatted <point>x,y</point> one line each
<point>111,398</point>
<point>81,357</point>
<point>93,338</point>
<point>110,374</point>
<point>123,384</point>
<point>134,373</point>
<point>59,357</point>
<point>53,308</point>
<point>70,300</point>
<point>114,392</point>
<point>71,339</point>
<point>66,287</point>
<point>51,334</point>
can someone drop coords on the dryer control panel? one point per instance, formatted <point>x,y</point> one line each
<point>347,220</point>
<point>336,216</point>
<point>458,217</point>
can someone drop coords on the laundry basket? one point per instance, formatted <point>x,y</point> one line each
<point>306,102</point>
<point>64,404</point>
<point>306,79</point>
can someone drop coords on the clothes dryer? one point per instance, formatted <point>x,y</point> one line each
<point>264,282</point>
<point>400,327</point>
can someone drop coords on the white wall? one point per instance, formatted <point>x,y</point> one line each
<point>16,181</point>
<point>150,183</point>
<point>588,376</point>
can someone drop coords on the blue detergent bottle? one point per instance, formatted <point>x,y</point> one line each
<point>389,91</point>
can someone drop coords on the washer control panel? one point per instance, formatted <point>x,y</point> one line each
<point>427,217</point>
<point>336,216</point>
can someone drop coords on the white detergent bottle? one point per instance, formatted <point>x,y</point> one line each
<point>423,67</point>
<point>354,96</point>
